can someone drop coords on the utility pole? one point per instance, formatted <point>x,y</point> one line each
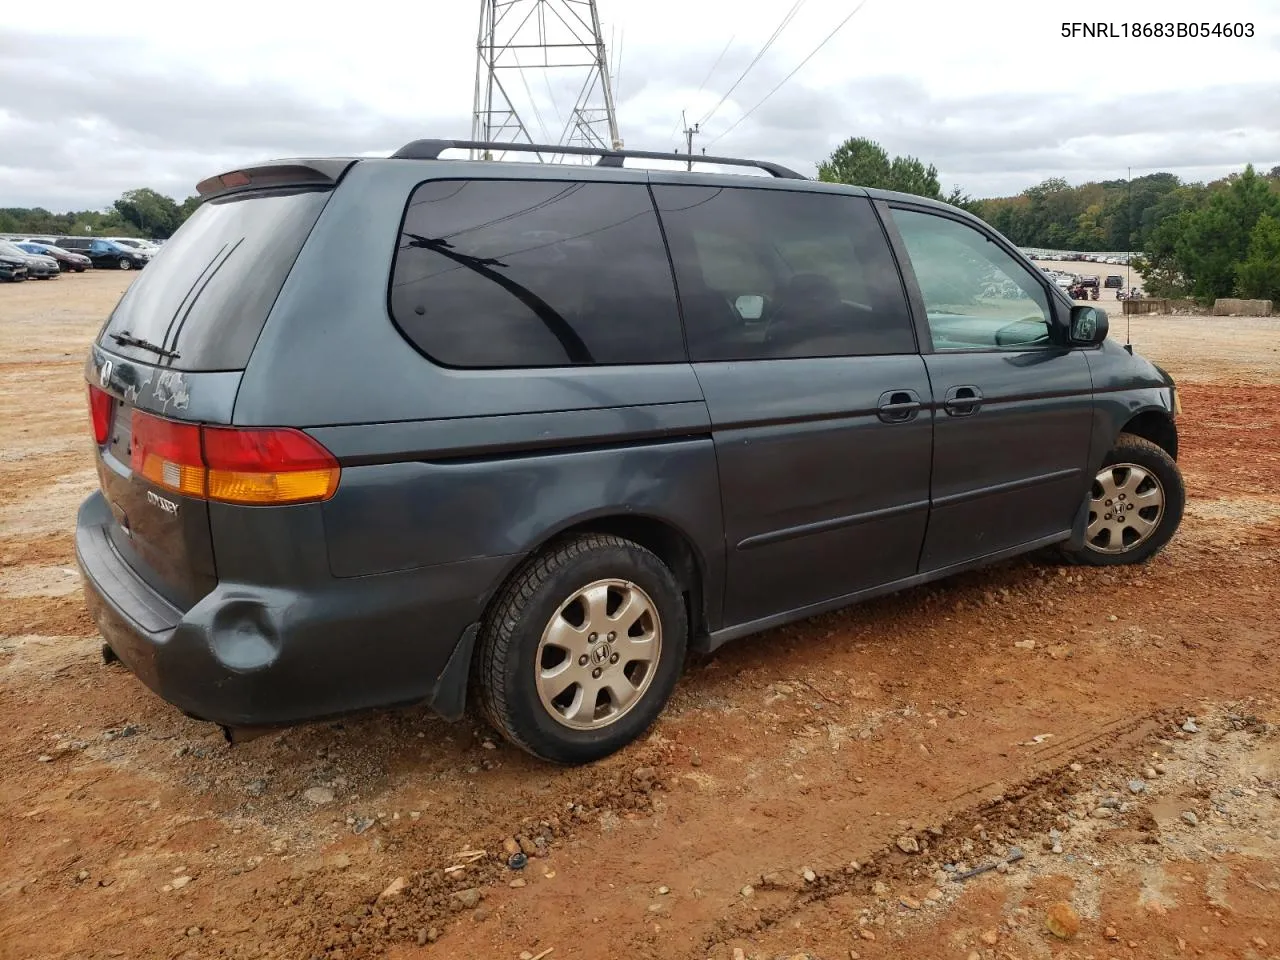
<point>688,140</point>
<point>1129,234</point>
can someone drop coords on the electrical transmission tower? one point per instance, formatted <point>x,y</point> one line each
<point>559,40</point>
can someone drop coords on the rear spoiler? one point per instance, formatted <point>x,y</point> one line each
<point>276,173</point>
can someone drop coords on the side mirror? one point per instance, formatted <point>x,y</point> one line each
<point>1089,325</point>
<point>750,306</point>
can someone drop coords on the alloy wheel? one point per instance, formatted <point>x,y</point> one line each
<point>598,654</point>
<point>1126,506</point>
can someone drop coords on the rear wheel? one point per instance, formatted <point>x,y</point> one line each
<point>1135,505</point>
<point>125,263</point>
<point>582,649</point>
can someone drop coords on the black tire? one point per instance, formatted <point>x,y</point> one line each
<point>507,655</point>
<point>1152,458</point>
<point>125,263</point>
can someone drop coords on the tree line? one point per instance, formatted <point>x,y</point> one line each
<point>1199,240</point>
<point>138,213</point>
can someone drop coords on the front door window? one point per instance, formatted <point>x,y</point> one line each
<point>976,296</point>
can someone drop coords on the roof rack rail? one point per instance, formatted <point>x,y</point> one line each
<point>431,150</point>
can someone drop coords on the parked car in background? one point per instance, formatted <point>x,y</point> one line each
<point>67,261</point>
<point>145,247</point>
<point>12,268</point>
<point>1114,281</point>
<point>112,256</point>
<point>39,266</point>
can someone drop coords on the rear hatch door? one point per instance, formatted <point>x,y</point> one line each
<point>170,358</point>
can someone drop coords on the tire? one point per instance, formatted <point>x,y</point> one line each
<point>545,601</point>
<point>1162,476</point>
<point>125,263</point>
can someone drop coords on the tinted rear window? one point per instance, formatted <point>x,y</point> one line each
<point>207,297</point>
<point>535,273</point>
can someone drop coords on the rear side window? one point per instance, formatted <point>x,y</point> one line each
<point>534,273</point>
<point>766,274</point>
<point>207,298</point>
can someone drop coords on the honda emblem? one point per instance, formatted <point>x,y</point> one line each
<point>104,374</point>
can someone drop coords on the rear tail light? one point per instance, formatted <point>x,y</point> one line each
<point>100,404</point>
<point>268,466</point>
<point>168,454</point>
<point>250,466</point>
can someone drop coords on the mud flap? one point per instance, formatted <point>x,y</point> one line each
<point>237,735</point>
<point>1080,527</point>
<point>448,697</point>
<point>108,655</point>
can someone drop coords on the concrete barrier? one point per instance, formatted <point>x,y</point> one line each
<point>1145,305</point>
<point>1233,307</point>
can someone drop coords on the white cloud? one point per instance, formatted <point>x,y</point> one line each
<point>990,92</point>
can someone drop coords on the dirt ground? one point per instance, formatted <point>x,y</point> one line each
<point>1107,739</point>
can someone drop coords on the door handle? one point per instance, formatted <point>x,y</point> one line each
<point>899,406</point>
<point>962,401</point>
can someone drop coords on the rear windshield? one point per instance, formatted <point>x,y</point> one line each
<point>207,295</point>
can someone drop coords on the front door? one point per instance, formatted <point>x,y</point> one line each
<point>1013,401</point>
<point>799,333</point>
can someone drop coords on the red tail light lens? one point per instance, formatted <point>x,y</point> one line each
<point>268,466</point>
<point>252,466</point>
<point>168,454</point>
<point>100,404</point>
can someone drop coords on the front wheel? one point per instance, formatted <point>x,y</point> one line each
<point>1135,505</point>
<point>582,649</point>
<point>125,263</point>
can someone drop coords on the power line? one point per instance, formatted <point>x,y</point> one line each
<point>532,102</point>
<point>703,84</point>
<point>676,126</point>
<point>812,54</point>
<point>756,59</point>
<point>617,64</point>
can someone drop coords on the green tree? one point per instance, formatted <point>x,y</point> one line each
<point>1258,276</point>
<point>152,213</point>
<point>958,198</point>
<point>909,175</point>
<point>857,161</point>
<point>864,163</point>
<point>1216,238</point>
<point>1161,269</point>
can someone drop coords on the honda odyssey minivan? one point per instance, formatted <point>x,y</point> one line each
<point>426,430</point>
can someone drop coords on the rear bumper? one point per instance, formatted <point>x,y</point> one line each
<point>249,656</point>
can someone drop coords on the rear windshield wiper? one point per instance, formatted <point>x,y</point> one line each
<point>127,339</point>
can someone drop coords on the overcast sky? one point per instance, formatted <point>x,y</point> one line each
<point>106,98</point>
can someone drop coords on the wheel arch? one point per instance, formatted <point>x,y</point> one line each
<point>1158,426</point>
<point>659,535</point>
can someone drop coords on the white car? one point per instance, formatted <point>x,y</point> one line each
<point>144,248</point>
